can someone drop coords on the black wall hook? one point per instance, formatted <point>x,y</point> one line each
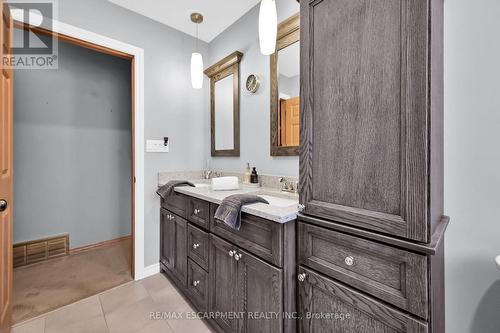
<point>165,141</point>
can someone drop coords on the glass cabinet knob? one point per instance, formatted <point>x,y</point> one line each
<point>349,261</point>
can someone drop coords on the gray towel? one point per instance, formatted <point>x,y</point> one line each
<point>168,189</point>
<point>229,210</point>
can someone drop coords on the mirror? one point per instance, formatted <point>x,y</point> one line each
<point>224,105</point>
<point>285,89</point>
<point>224,122</point>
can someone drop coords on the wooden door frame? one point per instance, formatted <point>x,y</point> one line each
<point>99,43</point>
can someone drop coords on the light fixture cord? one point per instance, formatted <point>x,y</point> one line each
<point>196,37</point>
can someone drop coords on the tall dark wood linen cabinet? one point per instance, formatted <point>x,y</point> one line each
<point>370,235</point>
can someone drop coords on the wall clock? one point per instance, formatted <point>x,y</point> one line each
<point>253,83</point>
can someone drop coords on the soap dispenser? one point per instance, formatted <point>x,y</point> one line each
<point>248,174</point>
<point>254,177</point>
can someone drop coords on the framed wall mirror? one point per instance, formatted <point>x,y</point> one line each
<point>225,105</point>
<point>285,89</point>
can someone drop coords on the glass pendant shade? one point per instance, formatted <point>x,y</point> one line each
<point>196,70</point>
<point>268,26</point>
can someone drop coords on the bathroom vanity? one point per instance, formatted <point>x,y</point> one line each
<point>246,278</point>
<point>369,238</point>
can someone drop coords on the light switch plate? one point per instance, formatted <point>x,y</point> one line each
<point>156,146</point>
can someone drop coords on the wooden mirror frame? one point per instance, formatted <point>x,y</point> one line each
<point>288,34</point>
<point>230,65</point>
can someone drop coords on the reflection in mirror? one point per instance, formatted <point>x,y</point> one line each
<point>288,95</point>
<point>224,129</point>
<point>285,89</point>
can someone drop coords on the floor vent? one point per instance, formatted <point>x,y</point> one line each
<point>39,250</point>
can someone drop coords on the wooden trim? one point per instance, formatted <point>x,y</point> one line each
<point>288,26</point>
<point>73,40</point>
<point>95,246</point>
<point>288,34</point>
<point>230,65</point>
<point>233,58</point>
<point>133,180</point>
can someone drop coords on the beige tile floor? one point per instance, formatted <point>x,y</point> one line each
<point>124,309</point>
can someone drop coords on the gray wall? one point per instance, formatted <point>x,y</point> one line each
<point>472,164</point>
<point>172,107</point>
<point>243,36</point>
<point>72,148</point>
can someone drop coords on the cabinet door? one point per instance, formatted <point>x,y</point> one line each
<point>173,246</point>
<point>364,127</point>
<point>223,283</point>
<point>260,295</point>
<point>327,306</point>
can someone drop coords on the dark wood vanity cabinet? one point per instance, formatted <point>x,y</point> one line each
<point>370,236</point>
<point>248,275</point>
<point>173,246</point>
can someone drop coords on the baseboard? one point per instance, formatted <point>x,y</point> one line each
<point>98,245</point>
<point>147,271</point>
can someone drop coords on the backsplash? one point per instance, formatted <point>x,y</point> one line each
<point>267,181</point>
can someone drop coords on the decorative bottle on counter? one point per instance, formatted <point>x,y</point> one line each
<point>254,177</point>
<point>248,174</point>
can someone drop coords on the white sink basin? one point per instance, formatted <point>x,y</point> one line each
<point>201,185</point>
<point>279,202</point>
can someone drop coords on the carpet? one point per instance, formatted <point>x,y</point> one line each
<point>48,285</point>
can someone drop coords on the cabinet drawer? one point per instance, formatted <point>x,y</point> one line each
<point>198,246</point>
<point>197,286</point>
<point>176,203</point>
<point>259,236</point>
<point>198,212</point>
<point>355,312</point>
<point>395,276</point>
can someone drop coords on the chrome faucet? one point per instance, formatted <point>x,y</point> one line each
<point>208,174</point>
<point>288,186</point>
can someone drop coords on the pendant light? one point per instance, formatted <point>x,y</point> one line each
<point>268,26</point>
<point>196,57</point>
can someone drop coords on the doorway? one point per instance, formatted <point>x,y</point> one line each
<point>106,45</point>
<point>73,175</point>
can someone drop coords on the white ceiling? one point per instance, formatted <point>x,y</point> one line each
<point>218,14</point>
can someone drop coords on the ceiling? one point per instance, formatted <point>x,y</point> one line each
<point>289,60</point>
<point>218,14</point>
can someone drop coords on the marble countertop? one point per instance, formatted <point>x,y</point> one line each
<point>277,213</point>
